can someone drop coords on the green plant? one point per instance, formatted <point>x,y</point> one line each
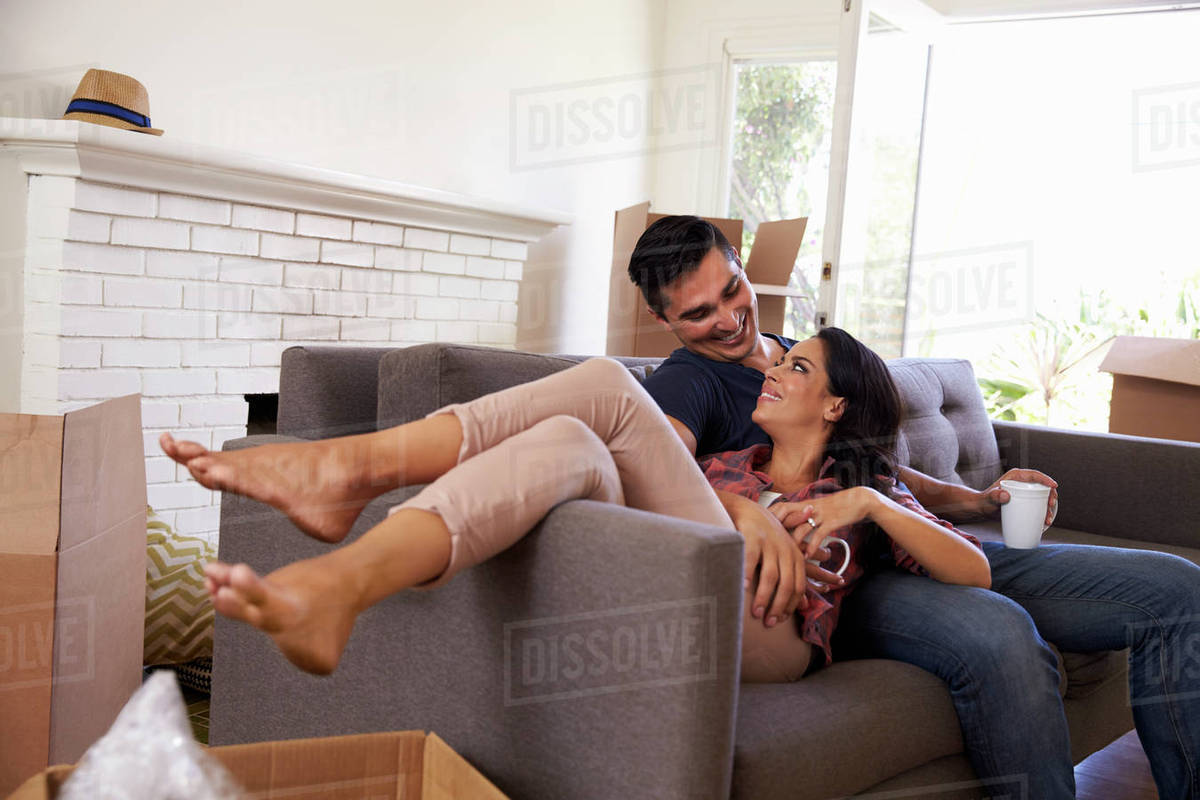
<point>1000,397</point>
<point>1048,374</point>
<point>1030,379</point>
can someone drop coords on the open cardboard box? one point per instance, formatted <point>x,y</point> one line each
<point>409,764</point>
<point>72,580</point>
<point>631,329</point>
<point>1156,387</point>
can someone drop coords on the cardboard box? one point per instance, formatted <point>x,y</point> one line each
<point>1156,387</point>
<point>408,764</point>
<point>632,331</point>
<point>72,580</point>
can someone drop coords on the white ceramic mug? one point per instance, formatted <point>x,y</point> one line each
<point>1023,517</point>
<point>828,540</point>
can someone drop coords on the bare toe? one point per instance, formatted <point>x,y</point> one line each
<point>218,571</point>
<point>228,602</point>
<point>248,584</point>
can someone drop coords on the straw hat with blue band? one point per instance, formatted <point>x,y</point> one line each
<point>113,99</point>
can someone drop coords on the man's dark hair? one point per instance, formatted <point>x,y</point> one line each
<point>672,247</point>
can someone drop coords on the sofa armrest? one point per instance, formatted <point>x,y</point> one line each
<point>1113,485</point>
<point>597,657</point>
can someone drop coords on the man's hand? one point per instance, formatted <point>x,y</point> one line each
<point>779,563</point>
<point>782,572</point>
<point>991,498</point>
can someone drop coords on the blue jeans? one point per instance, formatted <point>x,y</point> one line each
<point>988,647</point>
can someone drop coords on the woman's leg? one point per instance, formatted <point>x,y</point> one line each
<point>308,608</point>
<point>323,485</point>
<point>771,655</point>
<point>474,511</point>
<point>655,471</point>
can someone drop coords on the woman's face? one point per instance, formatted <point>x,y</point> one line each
<point>795,393</point>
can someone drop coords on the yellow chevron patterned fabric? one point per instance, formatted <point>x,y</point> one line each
<point>179,612</point>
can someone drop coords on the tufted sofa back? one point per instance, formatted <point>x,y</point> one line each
<point>328,391</point>
<point>945,431</point>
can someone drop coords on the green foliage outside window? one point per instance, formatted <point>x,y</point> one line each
<point>1047,374</point>
<point>782,128</point>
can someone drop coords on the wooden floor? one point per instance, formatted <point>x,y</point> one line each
<point>1118,772</point>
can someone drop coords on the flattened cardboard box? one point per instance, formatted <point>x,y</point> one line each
<point>408,764</point>
<point>72,580</point>
<point>1156,387</point>
<point>631,329</point>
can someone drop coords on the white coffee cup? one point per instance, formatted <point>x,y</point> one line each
<point>1023,517</point>
<point>828,540</point>
<point>767,497</point>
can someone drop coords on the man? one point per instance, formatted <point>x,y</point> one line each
<point>986,645</point>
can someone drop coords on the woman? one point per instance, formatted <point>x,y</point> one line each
<point>497,464</point>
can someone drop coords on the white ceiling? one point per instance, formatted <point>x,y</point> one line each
<point>974,9</point>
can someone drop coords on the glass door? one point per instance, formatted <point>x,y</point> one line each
<point>878,122</point>
<point>781,132</point>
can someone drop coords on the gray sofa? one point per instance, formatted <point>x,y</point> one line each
<point>597,658</point>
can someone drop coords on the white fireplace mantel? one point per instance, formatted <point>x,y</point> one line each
<point>136,264</point>
<point>105,155</point>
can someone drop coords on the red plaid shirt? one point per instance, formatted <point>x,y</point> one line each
<point>740,472</point>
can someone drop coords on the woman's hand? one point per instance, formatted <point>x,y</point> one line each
<point>810,521</point>
<point>991,498</point>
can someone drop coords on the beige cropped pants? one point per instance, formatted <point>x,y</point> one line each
<point>588,432</point>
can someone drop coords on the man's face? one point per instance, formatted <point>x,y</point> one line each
<point>712,310</point>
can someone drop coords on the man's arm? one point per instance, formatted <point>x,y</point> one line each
<point>685,433</point>
<point>958,503</point>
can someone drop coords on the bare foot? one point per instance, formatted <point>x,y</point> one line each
<point>307,610</point>
<point>314,483</point>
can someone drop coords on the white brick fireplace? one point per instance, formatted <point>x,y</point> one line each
<point>133,264</point>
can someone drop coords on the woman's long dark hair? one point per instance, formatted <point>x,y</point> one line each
<point>863,442</point>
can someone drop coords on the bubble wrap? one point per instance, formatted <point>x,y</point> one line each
<point>149,753</point>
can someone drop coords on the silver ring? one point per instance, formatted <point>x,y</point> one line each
<point>813,523</point>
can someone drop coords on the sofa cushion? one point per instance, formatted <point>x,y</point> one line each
<point>946,432</point>
<point>884,717</point>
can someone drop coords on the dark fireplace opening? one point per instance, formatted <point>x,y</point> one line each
<point>264,412</point>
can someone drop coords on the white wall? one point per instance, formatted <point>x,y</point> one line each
<point>417,92</point>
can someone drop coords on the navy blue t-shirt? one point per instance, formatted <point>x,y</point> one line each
<point>713,398</point>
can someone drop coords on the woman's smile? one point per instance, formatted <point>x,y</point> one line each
<point>769,395</point>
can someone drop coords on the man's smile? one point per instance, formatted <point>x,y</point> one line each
<point>733,337</point>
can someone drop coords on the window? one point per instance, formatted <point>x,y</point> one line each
<point>1016,195</point>
<point>1069,149</point>
<point>782,125</point>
